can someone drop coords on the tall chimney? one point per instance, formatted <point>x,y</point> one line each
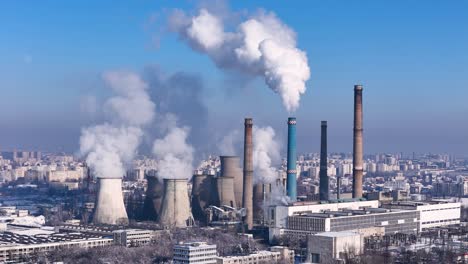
<point>247,199</point>
<point>291,184</point>
<point>357,144</point>
<point>338,187</point>
<point>323,164</point>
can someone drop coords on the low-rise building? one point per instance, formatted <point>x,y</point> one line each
<point>133,237</point>
<point>194,252</point>
<point>331,247</point>
<point>433,213</point>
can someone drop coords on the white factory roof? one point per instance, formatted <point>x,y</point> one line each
<point>337,234</point>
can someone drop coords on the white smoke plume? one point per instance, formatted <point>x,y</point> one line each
<point>111,146</point>
<point>174,154</point>
<point>266,153</point>
<point>231,143</point>
<point>260,46</point>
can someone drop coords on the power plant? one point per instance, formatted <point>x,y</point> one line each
<point>291,182</point>
<point>110,208</point>
<point>153,199</point>
<point>357,143</point>
<point>247,200</point>
<point>323,185</point>
<point>175,210</point>
<point>232,193</point>
<point>230,167</point>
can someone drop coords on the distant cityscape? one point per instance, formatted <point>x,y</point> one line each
<point>48,201</point>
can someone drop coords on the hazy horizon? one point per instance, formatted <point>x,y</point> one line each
<point>410,57</point>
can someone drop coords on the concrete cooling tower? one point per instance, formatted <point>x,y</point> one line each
<point>153,199</point>
<point>175,210</point>
<point>230,167</point>
<point>225,191</point>
<point>258,198</point>
<point>110,208</point>
<point>202,195</point>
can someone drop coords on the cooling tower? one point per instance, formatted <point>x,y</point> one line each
<point>230,167</point>
<point>153,199</point>
<point>225,191</point>
<point>110,208</point>
<point>258,197</point>
<point>247,200</point>
<point>175,210</point>
<point>291,184</point>
<point>357,143</point>
<point>324,185</point>
<point>202,195</point>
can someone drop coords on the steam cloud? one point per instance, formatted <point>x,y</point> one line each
<point>260,46</point>
<point>110,146</point>
<point>266,152</point>
<point>174,154</point>
<point>229,144</point>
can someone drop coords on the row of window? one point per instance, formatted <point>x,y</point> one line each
<point>441,221</point>
<point>439,209</point>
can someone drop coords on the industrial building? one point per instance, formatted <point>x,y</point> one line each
<point>347,220</point>
<point>18,243</point>
<point>432,213</point>
<point>277,215</point>
<point>133,237</point>
<point>329,247</point>
<point>194,252</point>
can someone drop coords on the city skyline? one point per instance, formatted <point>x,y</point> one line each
<point>411,68</point>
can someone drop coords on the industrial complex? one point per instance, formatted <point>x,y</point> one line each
<point>230,198</point>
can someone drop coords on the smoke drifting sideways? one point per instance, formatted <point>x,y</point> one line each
<point>260,46</point>
<point>266,154</point>
<point>174,154</point>
<point>110,146</point>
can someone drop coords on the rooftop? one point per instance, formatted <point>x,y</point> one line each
<point>337,234</point>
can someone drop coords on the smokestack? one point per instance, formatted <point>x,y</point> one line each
<point>357,144</point>
<point>175,211</point>
<point>338,187</point>
<point>202,196</point>
<point>225,191</point>
<point>110,207</point>
<point>230,167</point>
<point>324,185</point>
<point>247,199</point>
<point>291,184</point>
<point>153,199</point>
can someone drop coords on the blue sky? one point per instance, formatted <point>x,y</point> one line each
<point>411,57</point>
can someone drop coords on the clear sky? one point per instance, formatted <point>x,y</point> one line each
<point>411,57</point>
